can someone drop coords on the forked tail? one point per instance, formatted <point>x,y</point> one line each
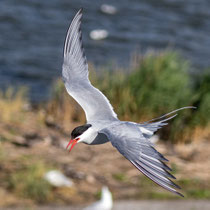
<point>148,128</point>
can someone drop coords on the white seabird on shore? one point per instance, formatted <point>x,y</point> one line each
<point>105,203</point>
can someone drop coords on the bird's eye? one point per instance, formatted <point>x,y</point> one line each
<point>77,139</point>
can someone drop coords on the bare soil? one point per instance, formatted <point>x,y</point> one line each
<point>91,167</point>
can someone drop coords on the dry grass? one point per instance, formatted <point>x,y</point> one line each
<point>12,104</point>
<point>158,84</point>
<point>62,110</point>
<point>34,186</point>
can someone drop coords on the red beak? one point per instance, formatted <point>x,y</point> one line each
<point>73,142</point>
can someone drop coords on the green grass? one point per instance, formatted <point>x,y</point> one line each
<point>198,194</point>
<point>159,84</point>
<point>201,99</point>
<point>191,189</point>
<point>120,177</point>
<point>149,190</point>
<point>195,188</point>
<point>28,182</point>
<point>98,195</point>
<point>174,168</point>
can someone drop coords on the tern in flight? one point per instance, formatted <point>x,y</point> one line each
<point>129,138</point>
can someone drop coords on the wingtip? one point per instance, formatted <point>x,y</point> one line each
<point>80,11</point>
<point>180,194</point>
<point>176,186</point>
<point>75,21</point>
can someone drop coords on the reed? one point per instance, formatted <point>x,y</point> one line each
<point>12,104</point>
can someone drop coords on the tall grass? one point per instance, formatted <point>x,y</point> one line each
<point>159,84</point>
<point>62,109</point>
<point>12,103</point>
<point>201,99</point>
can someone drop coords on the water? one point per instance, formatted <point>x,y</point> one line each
<point>32,35</point>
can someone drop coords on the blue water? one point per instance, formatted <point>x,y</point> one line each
<point>32,34</point>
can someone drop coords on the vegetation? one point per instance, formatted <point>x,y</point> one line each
<point>159,84</point>
<point>12,104</point>
<point>120,177</point>
<point>201,99</point>
<point>33,186</point>
<point>192,189</point>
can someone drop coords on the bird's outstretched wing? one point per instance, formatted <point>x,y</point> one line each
<point>75,76</point>
<point>131,143</point>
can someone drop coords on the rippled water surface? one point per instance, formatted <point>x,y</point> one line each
<point>32,34</point>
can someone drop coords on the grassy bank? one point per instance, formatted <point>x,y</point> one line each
<point>158,84</point>
<point>32,139</point>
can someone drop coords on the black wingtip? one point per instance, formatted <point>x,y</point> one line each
<point>170,175</point>
<point>80,10</point>
<point>158,183</point>
<point>166,166</point>
<point>176,186</point>
<point>180,194</point>
<point>161,157</point>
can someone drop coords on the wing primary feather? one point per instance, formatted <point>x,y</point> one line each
<point>75,76</point>
<point>161,156</point>
<point>151,151</point>
<point>160,170</point>
<point>141,154</point>
<point>155,162</point>
<point>76,51</point>
<point>150,176</point>
<point>75,48</point>
<point>155,180</point>
<point>157,176</point>
<point>71,32</point>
